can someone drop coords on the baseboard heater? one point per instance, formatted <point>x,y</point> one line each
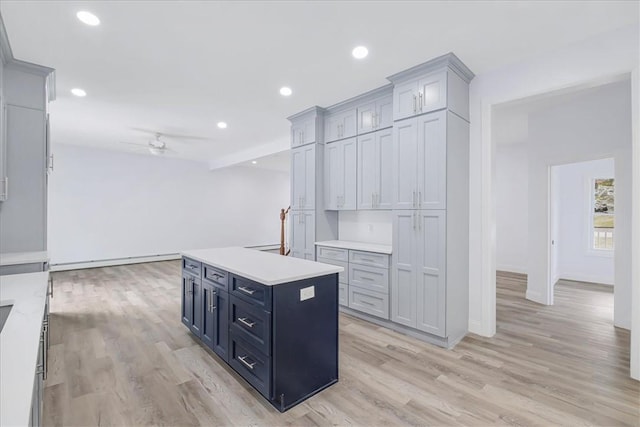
<point>80,265</point>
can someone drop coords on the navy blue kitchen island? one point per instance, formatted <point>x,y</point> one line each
<point>273,319</point>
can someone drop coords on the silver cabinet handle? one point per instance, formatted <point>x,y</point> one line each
<point>420,100</point>
<point>419,198</point>
<point>50,293</point>
<point>414,103</point>
<point>246,322</point>
<point>372,204</point>
<point>413,218</point>
<point>246,290</point>
<point>377,199</point>
<point>243,359</point>
<point>413,199</point>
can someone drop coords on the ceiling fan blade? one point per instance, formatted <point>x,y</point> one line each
<point>172,135</point>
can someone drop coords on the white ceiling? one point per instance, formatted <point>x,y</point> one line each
<point>180,67</point>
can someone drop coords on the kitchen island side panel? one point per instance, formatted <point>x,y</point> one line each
<point>305,338</point>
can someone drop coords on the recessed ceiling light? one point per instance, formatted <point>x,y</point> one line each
<point>285,91</point>
<point>254,162</point>
<point>88,18</point>
<point>222,125</point>
<point>360,52</point>
<point>78,92</point>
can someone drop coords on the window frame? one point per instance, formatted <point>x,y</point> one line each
<point>591,249</point>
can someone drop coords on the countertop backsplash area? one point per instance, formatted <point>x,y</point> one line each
<point>365,226</point>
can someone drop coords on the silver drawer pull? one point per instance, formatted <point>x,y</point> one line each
<point>367,260</point>
<point>367,278</point>
<point>367,303</point>
<point>244,321</point>
<point>243,359</point>
<point>246,290</point>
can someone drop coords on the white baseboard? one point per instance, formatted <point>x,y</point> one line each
<point>535,297</point>
<point>511,268</point>
<point>475,327</point>
<point>112,262</point>
<point>586,278</point>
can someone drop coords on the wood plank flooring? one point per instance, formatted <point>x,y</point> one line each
<point>120,356</point>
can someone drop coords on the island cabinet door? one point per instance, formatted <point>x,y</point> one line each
<point>208,315</point>
<point>221,323</point>
<point>196,307</point>
<point>187,307</point>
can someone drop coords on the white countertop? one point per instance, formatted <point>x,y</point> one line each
<point>358,246</point>
<point>262,267</point>
<point>16,258</point>
<point>19,342</point>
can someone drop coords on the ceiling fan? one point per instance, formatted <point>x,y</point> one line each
<point>155,146</point>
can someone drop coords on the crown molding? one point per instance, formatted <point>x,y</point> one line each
<point>364,97</point>
<point>309,111</point>
<point>447,60</point>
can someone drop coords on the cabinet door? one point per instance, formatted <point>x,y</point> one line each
<point>302,234</point>
<point>405,164</point>
<point>367,170</point>
<point>348,122</point>
<point>303,171</point>
<point>366,113</point>
<point>331,128</point>
<point>432,160</point>
<point>332,172</point>
<point>431,281</point>
<point>308,130</point>
<point>187,307</point>
<point>432,92</point>
<point>383,196</point>
<point>348,174</point>
<point>207,333</point>
<point>405,100</point>
<point>197,311</point>
<point>296,135</point>
<point>403,268</point>
<point>384,112</point>
<point>221,323</point>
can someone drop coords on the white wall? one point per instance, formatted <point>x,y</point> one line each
<point>596,58</point>
<point>594,124</point>
<point>512,213</point>
<point>106,205</point>
<point>365,226</point>
<point>576,260</point>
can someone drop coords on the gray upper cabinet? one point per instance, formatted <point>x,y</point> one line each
<point>340,175</point>
<point>419,162</point>
<point>440,83</point>
<point>303,174</point>
<point>374,115</point>
<point>303,131</point>
<point>340,125</point>
<point>375,180</point>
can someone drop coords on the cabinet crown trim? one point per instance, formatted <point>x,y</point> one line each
<point>308,112</point>
<point>359,99</point>
<point>447,60</point>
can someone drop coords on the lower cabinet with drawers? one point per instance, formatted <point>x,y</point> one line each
<point>283,344</point>
<point>364,284</point>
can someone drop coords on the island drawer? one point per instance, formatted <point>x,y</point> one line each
<point>251,364</point>
<point>343,294</point>
<point>333,253</point>
<point>343,276</point>
<point>190,266</point>
<point>251,323</point>
<point>369,258</point>
<point>371,302</point>
<point>250,291</point>
<point>373,278</point>
<point>219,277</point>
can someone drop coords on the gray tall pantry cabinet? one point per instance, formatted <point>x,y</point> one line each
<point>403,148</point>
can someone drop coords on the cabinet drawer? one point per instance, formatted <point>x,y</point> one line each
<point>372,278</point>
<point>333,253</point>
<point>219,277</point>
<point>371,302</point>
<point>250,291</point>
<point>369,258</point>
<point>252,324</point>
<point>191,266</point>
<point>252,365</point>
<point>343,294</point>
<point>343,276</point>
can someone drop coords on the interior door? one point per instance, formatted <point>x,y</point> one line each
<point>405,164</point>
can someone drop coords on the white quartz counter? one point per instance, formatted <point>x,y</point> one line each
<point>358,246</point>
<point>19,342</point>
<point>266,268</point>
<point>17,258</point>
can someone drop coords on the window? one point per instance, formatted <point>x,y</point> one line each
<point>603,214</point>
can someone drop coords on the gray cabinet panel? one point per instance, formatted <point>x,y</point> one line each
<point>432,160</point>
<point>343,276</point>
<point>340,125</point>
<point>340,175</point>
<point>372,278</point>
<point>343,294</point>
<point>404,269</point>
<point>405,164</point>
<point>302,226</point>
<point>369,258</point>
<point>303,170</point>
<point>370,302</point>
<point>333,253</point>
<point>367,170</point>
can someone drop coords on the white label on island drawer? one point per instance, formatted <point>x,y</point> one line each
<point>307,293</point>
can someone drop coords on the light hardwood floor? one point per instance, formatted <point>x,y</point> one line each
<point>120,356</point>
